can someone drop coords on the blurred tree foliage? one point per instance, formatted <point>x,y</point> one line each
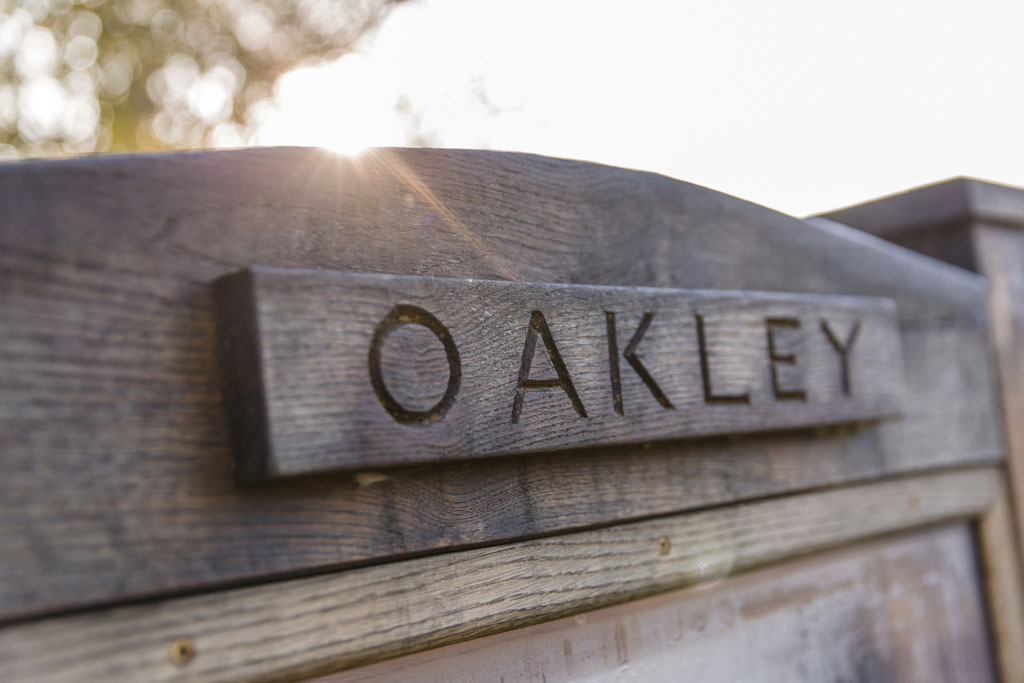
<point>115,75</point>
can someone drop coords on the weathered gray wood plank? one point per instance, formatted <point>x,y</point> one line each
<point>952,204</point>
<point>1000,255</point>
<point>446,213</point>
<point>335,371</point>
<point>976,224</point>
<point>113,438</point>
<point>1000,560</point>
<point>305,627</point>
<point>903,608</point>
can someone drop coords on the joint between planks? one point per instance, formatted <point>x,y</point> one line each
<point>313,626</point>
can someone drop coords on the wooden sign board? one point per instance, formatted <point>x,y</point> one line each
<point>331,370</point>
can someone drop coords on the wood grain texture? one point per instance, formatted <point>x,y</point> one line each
<point>895,610</point>
<point>953,203</point>
<point>976,224</point>
<point>448,213</point>
<point>499,368</point>
<point>312,626</point>
<point>1000,254</point>
<point>938,220</point>
<point>979,225</point>
<point>113,438</point>
<point>1003,583</point>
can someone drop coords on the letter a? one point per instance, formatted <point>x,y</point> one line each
<point>539,328</point>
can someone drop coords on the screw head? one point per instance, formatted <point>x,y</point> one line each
<point>182,651</point>
<point>664,545</point>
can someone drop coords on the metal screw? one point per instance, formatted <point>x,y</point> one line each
<point>182,651</point>
<point>664,545</point>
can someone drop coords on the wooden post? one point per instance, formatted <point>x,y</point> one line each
<point>980,226</point>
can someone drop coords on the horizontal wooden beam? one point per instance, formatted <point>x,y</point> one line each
<point>870,611</point>
<point>951,203</point>
<point>313,626</point>
<point>330,371</point>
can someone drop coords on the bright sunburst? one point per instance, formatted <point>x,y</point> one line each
<point>345,106</point>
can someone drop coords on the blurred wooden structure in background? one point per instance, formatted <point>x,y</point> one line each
<point>132,552</point>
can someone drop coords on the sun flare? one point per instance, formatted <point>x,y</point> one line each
<point>345,107</point>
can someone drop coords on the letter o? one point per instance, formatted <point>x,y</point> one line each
<point>405,314</point>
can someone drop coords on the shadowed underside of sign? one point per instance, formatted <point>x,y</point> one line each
<point>330,370</point>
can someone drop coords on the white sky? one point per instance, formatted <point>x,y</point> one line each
<point>801,106</point>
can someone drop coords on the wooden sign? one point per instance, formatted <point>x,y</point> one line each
<point>329,370</point>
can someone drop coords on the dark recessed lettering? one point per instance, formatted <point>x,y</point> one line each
<point>843,349</point>
<point>613,363</point>
<point>634,361</point>
<point>294,347</point>
<point>539,328</point>
<point>774,358</point>
<point>413,315</point>
<point>705,371</point>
